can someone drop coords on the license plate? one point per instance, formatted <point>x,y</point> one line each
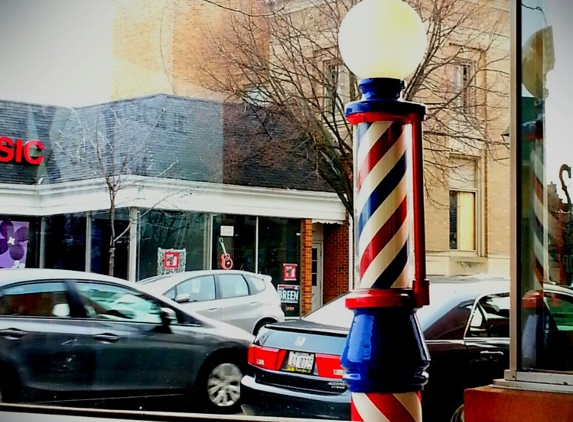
<point>300,362</point>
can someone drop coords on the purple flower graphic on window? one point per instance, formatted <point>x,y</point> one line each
<point>13,243</point>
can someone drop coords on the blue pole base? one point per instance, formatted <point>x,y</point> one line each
<point>385,351</point>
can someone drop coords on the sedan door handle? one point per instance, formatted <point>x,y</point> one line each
<point>213,309</point>
<point>107,338</point>
<point>13,333</point>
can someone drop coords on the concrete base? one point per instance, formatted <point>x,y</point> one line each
<point>498,404</point>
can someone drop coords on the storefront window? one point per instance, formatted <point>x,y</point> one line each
<point>19,242</point>
<point>65,242</point>
<point>279,257</point>
<point>101,243</point>
<point>184,233</point>
<point>544,186</point>
<point>234,244</point>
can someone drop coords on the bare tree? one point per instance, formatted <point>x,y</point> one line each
<point>107,144</point>
<point>287,61</point>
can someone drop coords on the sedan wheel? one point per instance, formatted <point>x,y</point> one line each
<point>224,387</point>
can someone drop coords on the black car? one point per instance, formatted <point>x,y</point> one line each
<point>466,327</point>
<point>70,336</point>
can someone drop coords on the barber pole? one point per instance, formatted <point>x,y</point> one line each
<point>385,356</point>
<point>539,219</point>
<point>533,336</point>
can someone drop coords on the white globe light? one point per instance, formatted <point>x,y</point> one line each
<point>382,39</point>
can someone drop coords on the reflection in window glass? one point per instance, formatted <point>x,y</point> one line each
<point>35,300</point>
<point>171,230</point>
<point>199,288</point>
<point>103,301</point>
<point>546,226</point>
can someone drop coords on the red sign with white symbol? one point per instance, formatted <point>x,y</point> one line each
<point>171,260</point>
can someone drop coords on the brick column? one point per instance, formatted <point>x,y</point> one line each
<point>306,266</point>
<point>336,267</point>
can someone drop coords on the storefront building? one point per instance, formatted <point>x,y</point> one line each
<point>185,176</point>
<point>538,385</point>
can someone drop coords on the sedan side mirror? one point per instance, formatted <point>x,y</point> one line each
<point>167,316</point>
<point>183,298</point>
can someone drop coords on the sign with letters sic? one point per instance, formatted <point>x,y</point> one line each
<point>19,151</point>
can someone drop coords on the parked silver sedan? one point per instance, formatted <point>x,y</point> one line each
<point>241,298</point>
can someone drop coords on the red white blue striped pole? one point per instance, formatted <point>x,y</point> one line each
<point>385,356</point>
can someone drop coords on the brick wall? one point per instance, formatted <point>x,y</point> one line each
<point>306,264</point>
<point>336,268</point>
<point>171,47</point>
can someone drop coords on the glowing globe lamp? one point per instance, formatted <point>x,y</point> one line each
<point>382,39</point>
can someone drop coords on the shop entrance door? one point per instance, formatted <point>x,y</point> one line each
<point>316,274</point>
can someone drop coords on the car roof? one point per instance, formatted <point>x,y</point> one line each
<point>11,275</point>
<point>166,281</point>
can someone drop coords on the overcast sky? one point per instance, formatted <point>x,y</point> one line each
<point>55,51</point>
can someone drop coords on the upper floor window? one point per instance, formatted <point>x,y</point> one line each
<point>333,85</point>
<point>463,205</point>
<point>463,85</point>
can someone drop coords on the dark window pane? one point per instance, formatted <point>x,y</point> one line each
<point>234,238</point>
<point>453,220</point>
<point>100,243</point>
<point>171,230</point>
<point>279,244</point>
<point>66,242</point>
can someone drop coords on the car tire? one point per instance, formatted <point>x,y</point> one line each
<point>458,415</point>
<point>261,324</point>
<point>219,385</point>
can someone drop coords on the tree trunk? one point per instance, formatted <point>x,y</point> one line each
<point>112,238</point>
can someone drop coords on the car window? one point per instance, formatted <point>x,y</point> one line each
<point>258,283</point>
<point>561,308</point>
<point>200,289</point>
<point>171,293</point>
<point>233,285</point>
<point>45,299</point>
<point>106,301</point>
<point>490,317</point>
